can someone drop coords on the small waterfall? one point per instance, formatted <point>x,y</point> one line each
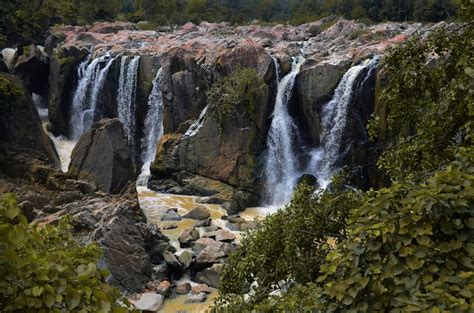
<point>194,128</point>
<point>334,121</point>
<point>153,128</point>
<point>91,81</point>
<point>277,68</point>
<point>126,96</point>
<point>281,168</point>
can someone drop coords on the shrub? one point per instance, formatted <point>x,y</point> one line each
<point>241,89</point>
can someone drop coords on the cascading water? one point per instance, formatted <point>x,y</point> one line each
<point>126,96</point>
<point>281,168</point>
<point>334,121</point>
<point>91,81</point>
<point>153,128</point>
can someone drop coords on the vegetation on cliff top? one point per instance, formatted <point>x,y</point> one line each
<point>408,247</point>
<point>23,21</point>
<point>43,269</point>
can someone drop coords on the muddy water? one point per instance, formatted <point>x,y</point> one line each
<point>155,204</point>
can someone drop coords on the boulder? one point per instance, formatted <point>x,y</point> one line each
<point>170,215</point>
<point>23,143</point>
<point>198,213</point>
<point>196,298</point>
<point>197,289</point>
<point>186,258</point>
<point>172,261</point>
<point>164,288</point>
<point>183,289</point>
<point>210,255</point>
<point>33,68</point>
<point>102,155</point>
<point>150,301</point>
<point>187,237</point>
<point>209,276</point>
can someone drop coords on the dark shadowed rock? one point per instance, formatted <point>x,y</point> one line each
<point>198,213</point>
<point>196,298</point>
<point>102,155</point>
<point>183,289</point>
<point>209,276</point>
<point>22,139</point>
<point>33,68</point>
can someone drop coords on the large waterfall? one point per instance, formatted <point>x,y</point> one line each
<point>153,127</point>
<point>334,121</point>
<point>126,96</point>
<point>281,168</point>
<point>92,77</point>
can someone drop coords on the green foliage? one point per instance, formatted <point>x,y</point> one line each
<point>430,103</point>
<point>406,248</point>
<point>287,248</point>
<point>241,89</point>
<point>43,269</point>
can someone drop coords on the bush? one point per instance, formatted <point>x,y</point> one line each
<point>42,268</point>
<point>241,89</point>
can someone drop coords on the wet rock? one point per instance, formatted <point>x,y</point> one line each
<point>204,223</point>
<point>209,276</point>
<point>186,258</point>
<point>198,213</point>
<point>164,288</point>
<point>202,243</point>
<point>63,64</point>
<point>187,237</point>
<point>221,235</point>
<point>308,179</point>
<point>23,143</point>
<point>160,271</point>
<point>183,289</point>
<point>172,261</point>
<point>33,68</point>
<point>210,255</point>
<point>197,298</point>
<point>170,215</point>
<point>169,226</point>
<point>241,200</point>
<point>102,155</point>
<point>150,301</point>
<point>197,289</point>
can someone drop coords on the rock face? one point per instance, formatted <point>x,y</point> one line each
<point>33,68</point>
<point>102,155</point>
<point>62,79</point>
<point>22,139</point>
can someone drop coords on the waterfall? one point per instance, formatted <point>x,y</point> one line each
<point>91,81</point>
<point>277,68</point>
<point>281,168</point>
<point>126,96</point>
<point>194,128</point>
<point>334,121</point>
<point>153,128</point>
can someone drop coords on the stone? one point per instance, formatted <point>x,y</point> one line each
<point>210,255</point>
<point>221,235</point>
<point>23,143</point>
<point>170,215</point>
<point>66,197</point>
<point>209,276</point>
<point>197,289</point>
<point>150,301</point>
<point>28,210</point>
<point>169,226</point>
<point>204,223</point>
<point>164,288</point>
<point>183,289</point>
<point>33,68</point>
<point>198,213</point>
<point>185,258</point>
<point>202,243</point>
<point>197,298</point>
<point>102,155</point>
<point>187,237</point>
<point>172,261</point>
